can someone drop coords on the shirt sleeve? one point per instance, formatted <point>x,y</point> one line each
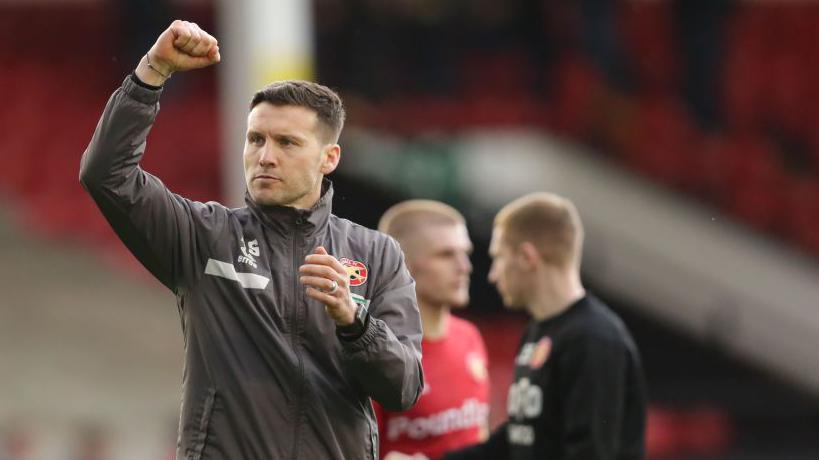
<point>592,381</point>
<point>164,231</point>
<point>385,360</point>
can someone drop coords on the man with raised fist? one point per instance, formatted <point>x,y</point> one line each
<point>293,318</point>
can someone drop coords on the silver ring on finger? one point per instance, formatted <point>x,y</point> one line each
<point>334,287</point>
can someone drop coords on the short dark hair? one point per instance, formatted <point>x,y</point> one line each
<point>318,98</point>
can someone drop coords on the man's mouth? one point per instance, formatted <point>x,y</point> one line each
<point>266,177</point>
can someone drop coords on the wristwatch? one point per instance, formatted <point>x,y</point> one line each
<point>355,329</point>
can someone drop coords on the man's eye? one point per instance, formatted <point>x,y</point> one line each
<point>256,140</point>
<point>285,142</point>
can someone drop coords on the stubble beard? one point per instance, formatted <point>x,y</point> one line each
<point>281,197</point>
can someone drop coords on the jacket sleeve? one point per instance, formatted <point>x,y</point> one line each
<point>593,380</point>
<point>385,360</point>
<point>157,226</point>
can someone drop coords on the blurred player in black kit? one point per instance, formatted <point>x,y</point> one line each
<point>578,390</point>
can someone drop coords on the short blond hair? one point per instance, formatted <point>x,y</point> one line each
<point>548,221</point>
<point>407,217</point>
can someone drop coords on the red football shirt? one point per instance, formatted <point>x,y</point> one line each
<point>453,410</point>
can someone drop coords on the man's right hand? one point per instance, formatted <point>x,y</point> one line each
<point>182,46</point>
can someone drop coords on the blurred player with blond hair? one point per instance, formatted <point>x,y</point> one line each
<point>453,409</point>
<point>578,390</point>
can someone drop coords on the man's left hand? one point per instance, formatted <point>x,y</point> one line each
<point>327,281</point>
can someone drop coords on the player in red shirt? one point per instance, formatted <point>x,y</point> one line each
<point>453,410</point>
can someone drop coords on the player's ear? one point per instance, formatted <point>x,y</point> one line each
<point>331,155</point>
<point>528,254</point>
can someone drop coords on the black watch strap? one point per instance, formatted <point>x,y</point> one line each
<point>355,329</point>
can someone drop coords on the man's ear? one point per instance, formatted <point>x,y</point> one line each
<point>331,157</point>
<point>529,254</point>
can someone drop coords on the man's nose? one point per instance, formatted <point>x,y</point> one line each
<point>464,264</point>
<point>267,157</point>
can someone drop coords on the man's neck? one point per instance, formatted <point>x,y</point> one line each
<point>434,320</point>
<point>554,296</point>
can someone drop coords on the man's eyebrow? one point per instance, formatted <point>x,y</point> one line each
<point>291,137</point>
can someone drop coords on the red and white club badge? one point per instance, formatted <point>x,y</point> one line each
<point>357,271</point>
<point>477,367</point>
<point>541,353</point>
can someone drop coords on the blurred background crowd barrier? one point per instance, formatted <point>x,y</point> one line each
<point>686,132</point>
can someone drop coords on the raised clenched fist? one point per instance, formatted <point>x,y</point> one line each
<point>182,46</point>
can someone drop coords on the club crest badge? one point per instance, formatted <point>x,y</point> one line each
<point>477,367</point>
<point>541,352</point>
<point>357,271</point>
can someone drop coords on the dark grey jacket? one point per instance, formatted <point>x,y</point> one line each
<point>265,376</point>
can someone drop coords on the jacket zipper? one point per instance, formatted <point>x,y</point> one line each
<point>295,337</point>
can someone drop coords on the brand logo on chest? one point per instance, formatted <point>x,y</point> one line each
<point>249,252</point>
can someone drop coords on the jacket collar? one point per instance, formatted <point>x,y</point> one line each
<point>285,219</point>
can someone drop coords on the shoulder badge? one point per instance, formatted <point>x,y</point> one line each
<point>477,367</point>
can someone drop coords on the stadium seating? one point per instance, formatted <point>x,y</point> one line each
<point>766,96</point>
<point>748,162</point>
<point>54,105</point>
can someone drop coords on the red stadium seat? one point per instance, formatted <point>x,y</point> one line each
<point>746,179</point>
<point>503,73</point>
<point>650,45</point>
<point>665,144</point>
<point>578,88</point>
